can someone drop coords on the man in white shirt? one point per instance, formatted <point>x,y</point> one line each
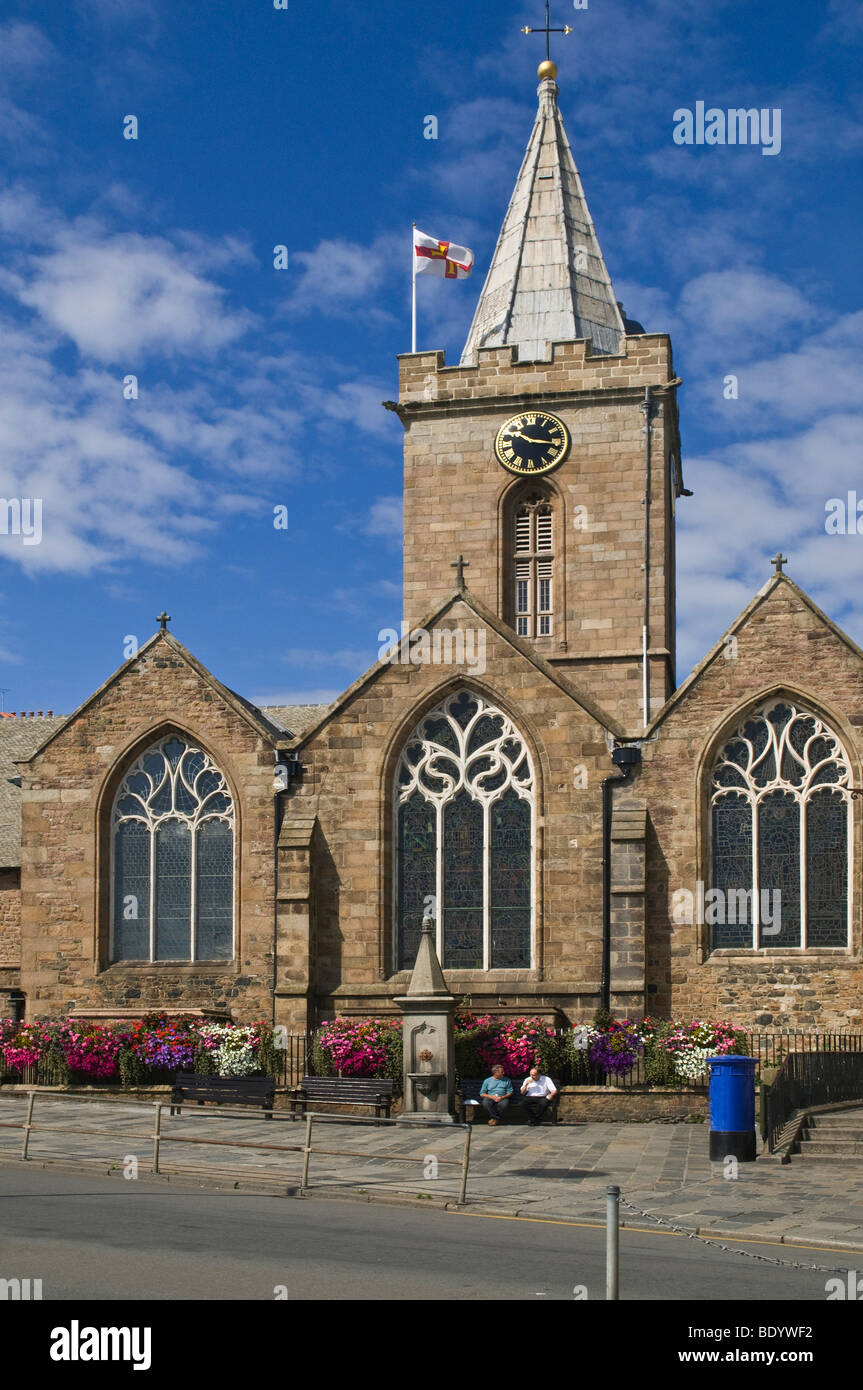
<point>537,1090</point>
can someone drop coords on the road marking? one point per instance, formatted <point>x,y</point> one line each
<point>648,1231</point>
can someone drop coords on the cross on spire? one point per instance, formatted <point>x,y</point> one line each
<point>778,561</point>
<point>163,619</point>
<point>567,29</point>
<point>461,564</point>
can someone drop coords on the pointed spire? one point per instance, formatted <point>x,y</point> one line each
<point>548,281</point>
<point>427,978</point>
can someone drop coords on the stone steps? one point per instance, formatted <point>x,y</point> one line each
<point>833,1138</point>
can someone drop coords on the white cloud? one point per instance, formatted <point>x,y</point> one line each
<point>385,518</point>
<point>743,309</point>
<point>340,275</point>
<point>754,498</point>
<point>125,296</point>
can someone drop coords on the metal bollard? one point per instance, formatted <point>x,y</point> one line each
<point>28,1123</point>
<point>157,1135</point>
<point>465,1163</point>
<point>307,1150</point>
<point>612,1242</point>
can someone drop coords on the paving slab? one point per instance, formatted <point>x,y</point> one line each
<point>551,1172</point>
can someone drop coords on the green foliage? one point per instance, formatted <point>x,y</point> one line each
<point>468,1062</point>
<point>132,1069</point>
<point>602,1019</point>
<point>322,1062</point>
<point>658,1064</point>
<point>205,1062</point>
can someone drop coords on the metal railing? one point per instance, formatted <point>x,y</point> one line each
<point>811,1078</point>
<point>159,1137</point>
<point>294,1059</point>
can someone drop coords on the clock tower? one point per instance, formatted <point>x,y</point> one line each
<point>549,457</point>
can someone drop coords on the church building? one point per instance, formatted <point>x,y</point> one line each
<point>521,767</point>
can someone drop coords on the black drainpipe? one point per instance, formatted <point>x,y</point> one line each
<point>625,758</point>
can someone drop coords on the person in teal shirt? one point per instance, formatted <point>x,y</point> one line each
<point>495,1093</point>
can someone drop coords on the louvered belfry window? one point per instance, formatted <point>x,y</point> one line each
<point>172,847</point>
<point>533,606</point>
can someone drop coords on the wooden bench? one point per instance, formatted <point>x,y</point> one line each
<point>469,1094</point>
<point>256,1091</point>
<point>343,1090</point>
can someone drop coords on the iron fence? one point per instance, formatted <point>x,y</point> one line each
<point>294,1059</point>
<point>808,1078</point>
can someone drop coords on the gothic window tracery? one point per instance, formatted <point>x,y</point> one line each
<point>464,835</point>
<point>172,842</point>
<point>780,828</point>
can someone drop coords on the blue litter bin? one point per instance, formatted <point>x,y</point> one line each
<point>732,1108</point>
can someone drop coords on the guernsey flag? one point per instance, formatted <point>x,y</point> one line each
<point>433,257</point>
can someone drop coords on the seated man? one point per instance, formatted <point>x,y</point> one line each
<point>537,1090</point>
<point>495,1093</point>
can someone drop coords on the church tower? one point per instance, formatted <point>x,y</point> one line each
<point>549,457</point>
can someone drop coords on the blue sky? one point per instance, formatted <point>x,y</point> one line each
<point>260,388</point>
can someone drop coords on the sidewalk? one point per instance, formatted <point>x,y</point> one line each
<point>549,1173</point>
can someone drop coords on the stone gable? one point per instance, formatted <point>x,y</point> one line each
<point>66,798</point>
<point>783,646</point>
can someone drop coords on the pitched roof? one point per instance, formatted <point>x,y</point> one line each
<point>294,720</point>
<point>587,703</point>
<point>19,738</point>
<point>548,281</point>
<point>259,721</point>
<point>719,647</point>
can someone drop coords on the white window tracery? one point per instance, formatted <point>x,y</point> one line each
<point>780,823</point>
<point>464,811</point>
<point>172,840</point>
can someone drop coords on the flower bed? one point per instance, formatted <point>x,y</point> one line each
<point>137,1052</point>
<point>666,1053</point>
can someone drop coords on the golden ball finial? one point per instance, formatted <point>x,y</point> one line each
<point>547,69</point>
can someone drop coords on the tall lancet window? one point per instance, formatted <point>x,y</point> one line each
<point>172,840</point>
<point>780,825</point>
<point>464,812</point>
<point>533,565</point>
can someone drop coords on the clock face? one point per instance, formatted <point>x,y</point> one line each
<point>532,443</point>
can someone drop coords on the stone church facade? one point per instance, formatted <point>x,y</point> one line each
<point>520,768</point>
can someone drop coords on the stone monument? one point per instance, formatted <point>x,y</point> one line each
<point>429,1061</point>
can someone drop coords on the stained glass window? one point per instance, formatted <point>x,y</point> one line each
<point>510,882</point>
<point>780,833</point>
<point>173,858</point>
<point>417,872</point>
<point>464,835</point>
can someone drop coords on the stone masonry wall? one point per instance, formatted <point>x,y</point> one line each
<point>783,647</point>
<point>456,503</point>
<point>349,765</point>
<point>66,798</point>
<point>10,928</point>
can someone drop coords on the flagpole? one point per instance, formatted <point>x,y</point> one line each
<point>414,294</point>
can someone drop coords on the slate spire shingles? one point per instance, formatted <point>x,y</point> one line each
<point>548,281</point>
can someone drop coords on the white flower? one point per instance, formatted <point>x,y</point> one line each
<point>581,1037</point>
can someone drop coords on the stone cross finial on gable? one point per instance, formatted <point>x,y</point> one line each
<point>778,561</point>
<point>163,619</point>
<point>461,564</point>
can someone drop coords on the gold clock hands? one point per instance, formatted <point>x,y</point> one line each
<point>528,438</point>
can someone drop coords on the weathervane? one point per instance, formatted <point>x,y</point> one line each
<point>567,29</point>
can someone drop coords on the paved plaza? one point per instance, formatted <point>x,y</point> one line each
<point>552,1173</point>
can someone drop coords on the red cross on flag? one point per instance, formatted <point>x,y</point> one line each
<point>442,258</point>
